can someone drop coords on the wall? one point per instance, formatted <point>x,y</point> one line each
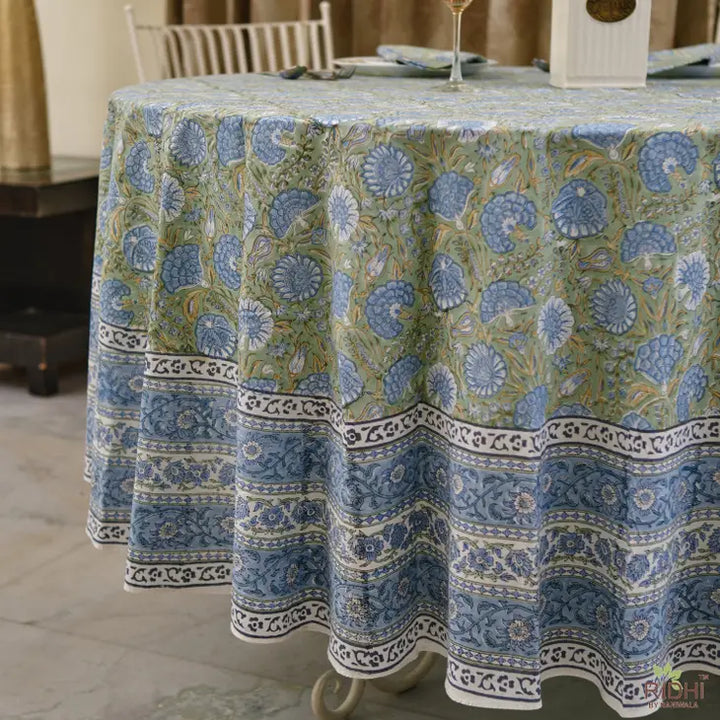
<point>87,56</point>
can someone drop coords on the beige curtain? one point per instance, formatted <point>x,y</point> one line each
<point>511,31</point>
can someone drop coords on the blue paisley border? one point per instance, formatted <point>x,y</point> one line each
<point>476,683</point>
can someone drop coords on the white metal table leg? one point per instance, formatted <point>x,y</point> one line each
<point>332,681</point>
<point>347,705</point>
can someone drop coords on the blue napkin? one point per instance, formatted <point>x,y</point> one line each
<point>664,60</point>
<point>425,58</point>
<point>671,61</point>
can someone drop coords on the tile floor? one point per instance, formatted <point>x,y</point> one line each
<point>74,646</point>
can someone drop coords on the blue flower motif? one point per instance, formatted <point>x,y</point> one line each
<point>367,548</point>
<point>263,385</point>
<point>188,144</point>
<point>182,268</point>
<point>297,278</point>
<point>399,376</point>
<point>485,370</point>
<point>662,155</point>
<point>387,171</point>
<point>692,387</point>
<point>530,411</point>
<point>447,282</point>
<point>267,138</point>
<point>572,410</point>
<point>449,195</point>
<point>139,247</point>
<point>638,566</point>
<point>580,210</point>
<point>137,167</point>
<point>342,286</point>
<point>571,543</point>
<point>502,216</point>
<point>482,560</point>
<point>255,324</point>
<point>637,629</point>
<point>153,116</point>
<point>555,324</point>
<point>249,217</point>
<point>351,384</point>
<point>646,239</point>
<point>441,386</point>
<point>315,385</point>
<point>309,512</point>
<point>396,535</point>
<point>112,201</point>
<point>384,306</point>
<point>692,277</point>
<point>215,337</point>
<point>112,303</point>
<point>603,550</point>
<point>714,541</point>
<point>172,198</point>
<point>520,563</point>
<point>614,307</point>
<point>343,212</point>
<point>287,207</point>
<point>226,256</point>
<point>273,517</point>
<point>657,358</point>
<point>608,136</point>
<point>633,421</point>
<point>652,286</point>
<point>716,170</point>
<point>694,383</point>
<point>501,298</point>
<point>231,140</point>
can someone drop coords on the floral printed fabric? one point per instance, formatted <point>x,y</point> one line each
<point>418,370</point>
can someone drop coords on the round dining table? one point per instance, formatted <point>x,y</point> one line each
<point>427,372</point>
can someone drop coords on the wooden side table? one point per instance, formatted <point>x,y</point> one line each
<point>47,226</point>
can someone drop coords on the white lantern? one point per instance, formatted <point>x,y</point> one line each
<point>600,43</point>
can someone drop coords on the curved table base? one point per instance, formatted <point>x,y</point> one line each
<point>400,682</point>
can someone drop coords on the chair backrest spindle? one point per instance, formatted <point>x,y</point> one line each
<point>188,50</point>
<point>326,23</point>
<point>315,45</point>
<point>172,42</point>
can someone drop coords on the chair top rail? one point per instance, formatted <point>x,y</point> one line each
<point>224,26</point>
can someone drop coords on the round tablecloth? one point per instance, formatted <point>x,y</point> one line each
<point>423,371</point>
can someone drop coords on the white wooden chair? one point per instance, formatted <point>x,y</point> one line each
<point>191,50</point>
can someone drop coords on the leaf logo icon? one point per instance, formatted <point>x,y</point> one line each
<point>674,679</point>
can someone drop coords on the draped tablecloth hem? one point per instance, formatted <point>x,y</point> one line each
<point>103,533</point>
<point>387,669</point>
<point>170,576</point>
<point>100,545</point>
<point>220,589</point>
<point>475,685</point>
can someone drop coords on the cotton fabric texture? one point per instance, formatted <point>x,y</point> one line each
<point>422,371</point>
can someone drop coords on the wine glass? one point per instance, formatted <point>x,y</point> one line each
<point>456,82</point>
